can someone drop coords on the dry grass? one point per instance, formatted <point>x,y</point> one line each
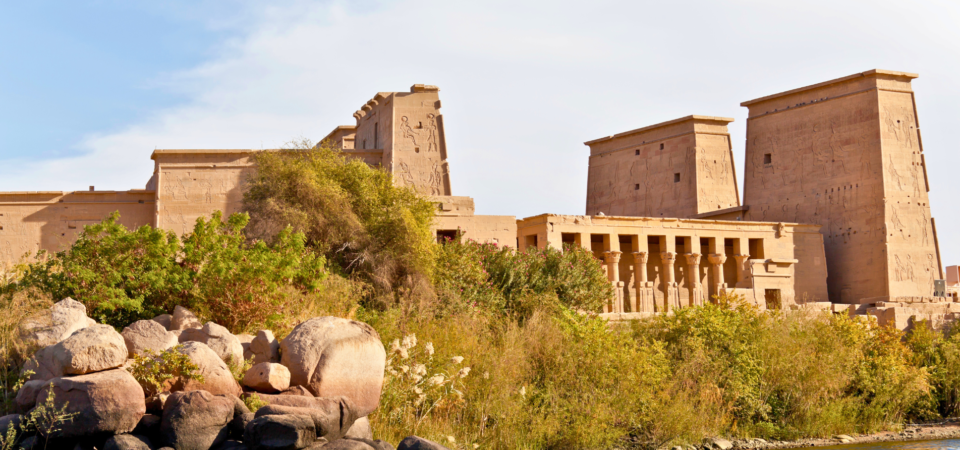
<point>15,309</point>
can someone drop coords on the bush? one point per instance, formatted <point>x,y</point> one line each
<point>123,276</point>
<point>348,211</point>
<point>499,280</point>
<point>153,370</point>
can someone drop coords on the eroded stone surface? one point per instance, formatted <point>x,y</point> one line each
<point>334,357</point>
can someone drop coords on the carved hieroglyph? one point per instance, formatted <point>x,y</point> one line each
<point>846,154</point>
<point>406,130</point>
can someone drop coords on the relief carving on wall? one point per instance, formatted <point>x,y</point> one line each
<point>422,135</point>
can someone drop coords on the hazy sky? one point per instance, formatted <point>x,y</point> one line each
<point>88,89</point>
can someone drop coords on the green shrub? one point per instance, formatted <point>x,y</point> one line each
<point>153,370</point>
<point>123,275</point>
<point>498,279</point>
<point>354,214</point>
<point>254,402</point>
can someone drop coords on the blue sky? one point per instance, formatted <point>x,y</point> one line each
<point>89,88</point>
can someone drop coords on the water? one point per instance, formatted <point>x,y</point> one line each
<point>940,444</point>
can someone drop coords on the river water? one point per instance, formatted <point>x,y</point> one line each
<point>942,444</point>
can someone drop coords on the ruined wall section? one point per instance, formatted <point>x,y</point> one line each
<point>678,169</point>
<point>814,155</point>
<point>51,221</point>
<point>195,183</point>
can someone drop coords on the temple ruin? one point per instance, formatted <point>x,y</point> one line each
<point>835,212</point>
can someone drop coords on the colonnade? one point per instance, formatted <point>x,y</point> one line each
<point>645,298</point>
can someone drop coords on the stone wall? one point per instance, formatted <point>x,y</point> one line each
<point>679,168</point>
<point>847,154</point>
<point>656,265</point>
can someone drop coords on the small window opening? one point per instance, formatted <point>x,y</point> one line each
<point>531,240</point>
<point>767,158</point>
<point>676,177</point>
<point>636,187</point>
<point>772,297</point>
<point>376,135</point>
<point>364,144</point>
<point>756,249</point>
<point>444,236</point>
<point>661,146</point>
<point>638,152</point>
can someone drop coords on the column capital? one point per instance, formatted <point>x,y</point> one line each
<point>741,258</point>
<point>640,257</point>
<point>717,258</point>
<point>668,257</point>
<point>612,257</point>
<point>693,259</point>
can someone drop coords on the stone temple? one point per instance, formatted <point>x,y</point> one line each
<point>835,213</point>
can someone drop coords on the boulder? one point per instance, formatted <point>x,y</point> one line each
<point>164,319</point>
<point>66,316</point>
<point>720,444</point>
<point>6,421</point>
<point>332,417</point>
<point>279,432</point>
<point>219,339</point>
<point>239,424</point>
<point>296,390</point>
<point>419,443</point>
<point>267,377</point>
<point>300,401</point>
<point>147,335</point>
<point>27,395</point>
<point>156,401</point>
<point>232,445</point>
<point>333,357</point>
<point>128,442</point>
<point>183,319</point>
<point>217,378</point>
<point>239,407</point>
<point>92,349</point>
<point>195,420</point>
<point>348,444</point>
<point>149,425</point>
<point>109,402</point>
<point>371,443</point>
<point>245,340</point>
<point>360,429</point>
<point>265,347</point>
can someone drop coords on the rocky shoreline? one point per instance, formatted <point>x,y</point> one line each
<point>949,429</point>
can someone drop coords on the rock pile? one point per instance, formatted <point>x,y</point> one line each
<point>318,384</point>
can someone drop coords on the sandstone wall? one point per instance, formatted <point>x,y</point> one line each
<point>846,154</point>
<point>679,168</point>
<point>32,221</point>
<point>195,183</point>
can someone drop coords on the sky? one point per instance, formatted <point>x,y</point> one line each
<point>88,89</point>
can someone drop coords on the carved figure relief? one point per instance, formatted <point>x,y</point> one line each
<point>423,135</point>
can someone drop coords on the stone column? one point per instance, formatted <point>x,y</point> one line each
<point>671,297</point>
<point>717,260</point>
<point>742,269</point>
<point>693,267</point>
<point>643,287</point>
<point>612,260</point>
